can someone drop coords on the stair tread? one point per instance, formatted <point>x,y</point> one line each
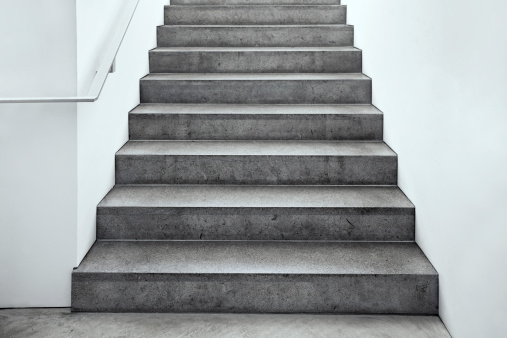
<point>249,6</point>
<point>254,49</point>
<point>255,109</point>
<point>254,76</point>
<point>255,196</point>
<point>260,26</point>
<point>251,2</point>
<point>256,148</point>
<point>256,257</point>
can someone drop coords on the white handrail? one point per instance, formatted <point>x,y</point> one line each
<point>104,67</point>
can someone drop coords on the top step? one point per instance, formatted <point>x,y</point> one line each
<point>255,2</point>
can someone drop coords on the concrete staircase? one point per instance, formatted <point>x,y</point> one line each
<point>255,178</point>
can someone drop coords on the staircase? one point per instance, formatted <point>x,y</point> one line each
<point>255,178</point>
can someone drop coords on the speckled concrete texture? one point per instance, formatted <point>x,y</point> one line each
<point>255,60</point>
<point>257,148</point>
<point>256,257</point>
<point>256,181</point>
<point>255,224</point>
<point>233,196</point>
<point>254,15</point>
<point>255,2</point>
<point>255,277</point>
<point>323,88</point>
<point>256,213</point>
<point>255,122</point>
<point>255,36</point>
<point>21,323</point>
<point>256,162</point>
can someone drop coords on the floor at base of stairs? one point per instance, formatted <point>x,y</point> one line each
<point>51,322</point>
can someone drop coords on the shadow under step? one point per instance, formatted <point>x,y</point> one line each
<point>256,162</point>
<point>255,36</point>
<point>255,277</point>
<point>255,15</point>
<point>255,60</point>
<point>325,88</point>
<point>159,121</point>
<point>219,212</point>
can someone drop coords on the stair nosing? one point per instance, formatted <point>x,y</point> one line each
<point>266,5</point>
<point>260,26</point>
<point>258,148</point>
<point>268,196</point>
<point>256,77</point>
<point>256,49</point>
<point>258,258</point>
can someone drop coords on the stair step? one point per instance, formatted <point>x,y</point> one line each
<point>325,88</point>
<point>254,2</point>
<point>251,276</point>
<point>255,60</point>
<point>255,15</point>
<point>255,36</point>
<point>233,212</point>
<point>255,122</point>
<point>256,162</point>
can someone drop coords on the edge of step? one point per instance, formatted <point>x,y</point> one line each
<point>336,25</point>
<point>257,257</point>
<point>258,196</point>
<point>255,148</point>
<point>256,77</point>
<point>253,2</point>
<point>254,109</point>
<point>254,49</point>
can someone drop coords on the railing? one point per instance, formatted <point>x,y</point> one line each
<point>106,65</point>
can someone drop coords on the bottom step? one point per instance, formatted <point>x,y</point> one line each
<point>58,322</point>
<point>255,277</point>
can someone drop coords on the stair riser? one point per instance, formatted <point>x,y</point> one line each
<point>255,2</point>
<point>256,62</point>
<point>401,294</point>
<point>347,224</point>
<point>251,170</point>
<point>269,36</point>
<point>256,91</point>
<point>255,15</point>
<point>255,127</point>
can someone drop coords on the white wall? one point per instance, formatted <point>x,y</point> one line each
<point>38,162</point>
<point>57,160</point>
<point>102,126</point>
<point>439,72</point>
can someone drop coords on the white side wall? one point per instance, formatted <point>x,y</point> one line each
<point>57,160</point>
<point>439,71</point>
<point>102,126</point>
<point>38,162</point>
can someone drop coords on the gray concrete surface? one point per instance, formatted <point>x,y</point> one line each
<point>256,162</point>
<point>256,257</point>
<point>257,109</point>
<point>255,36</point>
<point>22,323</point>
<point>257,148</point>
<point>255,2</point>
<point>255,277</point>
<point>255,15</point>
<point>322,88</point>
<point>210,212</point>
<point>255,224</point>
<point>253,248</point>
<point>255,60</point>
<point>255,122</point>
<point>218,196</point>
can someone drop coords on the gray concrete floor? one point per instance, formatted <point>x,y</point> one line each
<point>63,323</point>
